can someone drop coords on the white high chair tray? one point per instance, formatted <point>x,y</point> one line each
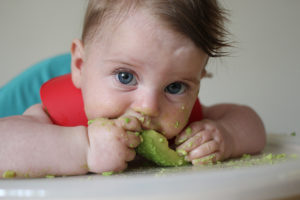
<point>266,179</point>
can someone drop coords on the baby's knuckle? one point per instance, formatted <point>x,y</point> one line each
<point>130,155</point>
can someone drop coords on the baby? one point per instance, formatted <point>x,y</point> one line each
<point>138,67</point>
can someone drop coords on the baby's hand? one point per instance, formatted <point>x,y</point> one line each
<point>112,143</point>
<point>204,142</point>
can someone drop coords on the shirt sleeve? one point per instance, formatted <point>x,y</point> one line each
<point>63,102</point>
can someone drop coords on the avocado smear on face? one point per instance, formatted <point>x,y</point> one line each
<point>155,147</point>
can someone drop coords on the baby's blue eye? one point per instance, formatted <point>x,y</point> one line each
<point>175,88</point>
<point>126,78</point>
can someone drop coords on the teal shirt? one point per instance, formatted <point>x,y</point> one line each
<point>24,90</point>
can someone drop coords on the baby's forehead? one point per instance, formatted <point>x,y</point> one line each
<point>142,27</point>
<point>109,24</point>
<point>138,20</point>
<point>202,21</point>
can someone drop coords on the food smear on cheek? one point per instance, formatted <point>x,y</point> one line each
<point>186,113</point>
<point>176,125</point>
<point>182,107</point>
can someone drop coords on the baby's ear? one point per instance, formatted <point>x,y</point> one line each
<point>77,52</point>
<point>205,74</point>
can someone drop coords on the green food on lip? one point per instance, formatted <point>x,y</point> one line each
<point>155,147</point>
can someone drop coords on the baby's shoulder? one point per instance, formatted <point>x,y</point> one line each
<point>38,113</point>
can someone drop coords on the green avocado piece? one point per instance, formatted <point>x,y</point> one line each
<point>155,147</point>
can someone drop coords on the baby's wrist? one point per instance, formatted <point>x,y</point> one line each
<point>84,146</point>
<point>230,141</point>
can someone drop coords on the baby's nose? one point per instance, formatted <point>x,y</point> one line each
<point>147,103</point>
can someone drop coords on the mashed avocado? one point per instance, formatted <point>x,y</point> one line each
<point>9,174</point>
<point>155,147</point>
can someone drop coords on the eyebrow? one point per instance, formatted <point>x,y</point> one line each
<point>126,61</point>
<point>195,81</point>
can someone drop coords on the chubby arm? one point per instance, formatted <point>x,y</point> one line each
<point>228,130</point>
<point>31,145</point>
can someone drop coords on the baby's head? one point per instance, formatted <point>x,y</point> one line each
<point>202,21</point>
<point>146,58</point>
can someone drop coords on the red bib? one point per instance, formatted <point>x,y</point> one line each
<point>64,103</point>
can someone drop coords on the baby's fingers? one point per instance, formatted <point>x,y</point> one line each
<point>129,123</point>
<point>191,143</point>
<point>184,136</point>
<point>133,139</point>
<point>212,158</point>
<point>130,155</point>
<point>195,141</point>
<point>203,150</point>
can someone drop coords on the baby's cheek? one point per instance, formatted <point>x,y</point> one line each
<point>106,110</point>
<point>173,122</point>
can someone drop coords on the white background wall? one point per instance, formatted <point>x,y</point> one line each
<point>262,72</point>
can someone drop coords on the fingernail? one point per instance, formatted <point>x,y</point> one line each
<point>190,144</point>
<point>180,140</point>
<point>186,158</point>
<point>181,152</point>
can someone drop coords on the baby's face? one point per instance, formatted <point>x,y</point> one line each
<point>144,70</point>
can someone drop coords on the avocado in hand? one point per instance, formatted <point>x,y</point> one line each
<point>155,147</point>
